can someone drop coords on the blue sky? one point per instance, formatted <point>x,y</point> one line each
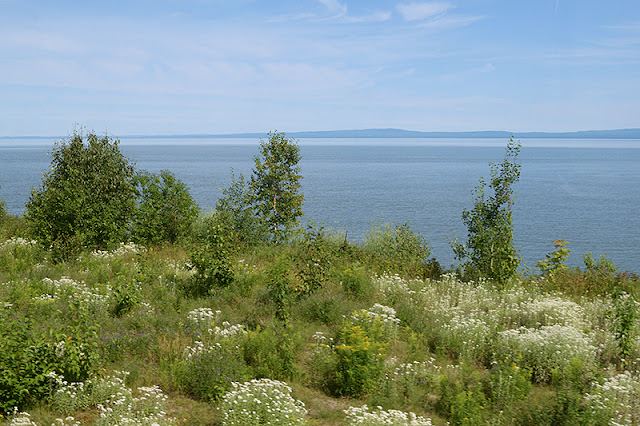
<point>224,66</point>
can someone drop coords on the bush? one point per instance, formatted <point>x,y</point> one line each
<point>359,359</point>
<point>398,249</point>
<point>270,352</point>
<point>166,210</point>
<point>207,372</point>
<point>262,402</point>
<point>26,359</point>
<point>210,260</point>
<point>87,198</point>
<point>235,214</point>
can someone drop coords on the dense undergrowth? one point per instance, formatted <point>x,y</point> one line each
<point>317,330</point>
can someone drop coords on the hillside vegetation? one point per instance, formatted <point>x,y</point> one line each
<point>241,316</point>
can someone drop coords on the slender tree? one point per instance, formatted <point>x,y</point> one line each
<point>489,249</point>
<point>275,183</point>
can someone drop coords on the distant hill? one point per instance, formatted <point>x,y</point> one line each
<point>400,133</point>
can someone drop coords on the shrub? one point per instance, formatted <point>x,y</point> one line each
<point>280,287</point>
<point>3,211</point>
<point>26,359</point>
<point>270,352</point>
<point>234,212</point>
<point>398,249</point>
<point>207,372</point>
<point>356,282</point>
<point>313,261</point>
<point>87,198</point>
<point>359,360</point>
<point>261,402</point>
<point>210,260</point>
<point>166,210</point>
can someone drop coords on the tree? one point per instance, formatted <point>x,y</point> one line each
<point>165,209</point>
<point>3,211</point>
<point>87,197</point>
<point>275,183</point>
<point>489,249</point>
<point>234,212</point>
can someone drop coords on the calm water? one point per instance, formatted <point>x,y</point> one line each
<point>583,191</point>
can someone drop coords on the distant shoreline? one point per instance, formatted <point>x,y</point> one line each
<point>392,133</point>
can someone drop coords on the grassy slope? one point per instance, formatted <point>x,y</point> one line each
<point>149,339</point>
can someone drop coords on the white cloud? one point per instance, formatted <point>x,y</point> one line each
<point>447,22</point>
<point>422,11</point>
<point>335,7</point>
<point>372,17</point>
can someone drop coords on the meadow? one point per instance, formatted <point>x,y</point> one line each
<point>384,337</point>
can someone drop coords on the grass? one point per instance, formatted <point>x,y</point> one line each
<point>444,349</point>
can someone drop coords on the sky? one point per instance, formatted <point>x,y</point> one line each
<point>234,66</point>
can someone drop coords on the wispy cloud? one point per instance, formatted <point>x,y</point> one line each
<point>334,7</point>
<point>448,22</point>
<point>422,11</point>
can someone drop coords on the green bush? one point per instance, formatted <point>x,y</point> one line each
<point>27,358</point>
<point>166,210</point>
<point>234,213</point>
<point>314,260</point>
<point>359,361</point>
<point>270,352</point>
<point>87,197</point>
<point>356,282</point>
<point>398,249</point>
<point>207,372</point>
<point>210,260</point>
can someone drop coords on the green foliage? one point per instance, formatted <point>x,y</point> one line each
<point>208,375</point>
<point>210,260</point>
<point>602,265</point>
<point>275,183</point>
<point>510,383</point>
<point>398,249</point>
<point>166,210</point>
<point>270,352</point>
<point>625,325</point>
<point>359,361</point>
<point>280,287</point>
<point>87,197</point>
<point>554,262</point>
<point>27,357</point>
<point>314,260</point>
<point>462,397</point>
<point>356,282</point>
<point>489,250</point>
<point>125,297</point>
<point>234,212</point>
<point>3,212</point>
